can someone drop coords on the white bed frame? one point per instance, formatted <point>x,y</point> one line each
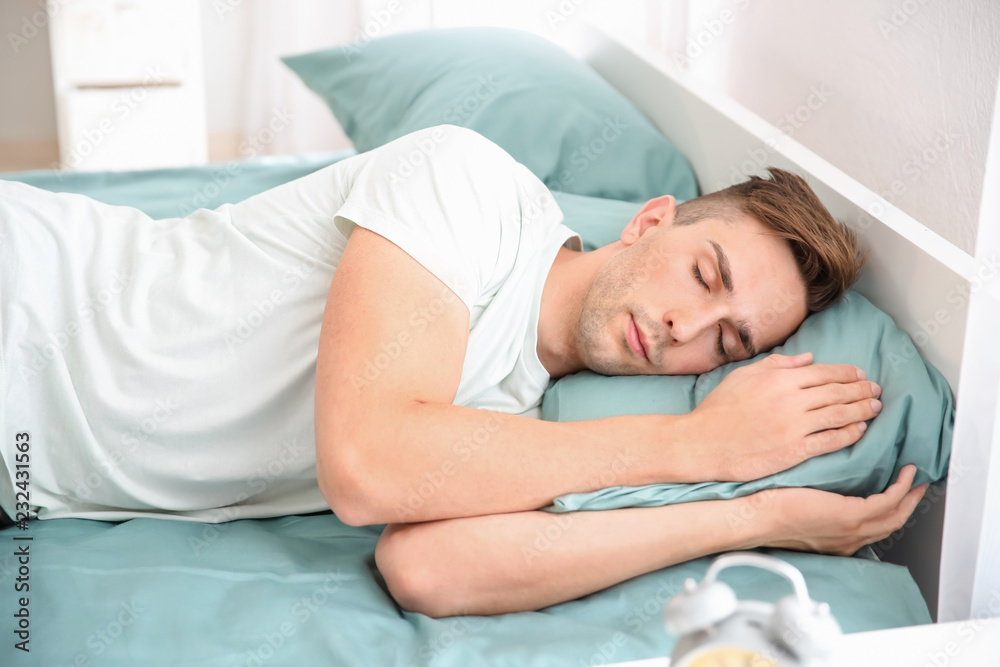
<point>911,273</point>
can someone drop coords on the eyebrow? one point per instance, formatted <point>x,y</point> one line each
<point>727,277</point>
<point>746,338</point>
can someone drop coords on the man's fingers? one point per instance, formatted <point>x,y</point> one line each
<point>787,361</point>
<point>824,442</point>
<point>817,375</point>
<point>835,394</point>
<point>839,416</point>
<point>897,516</point>
<point>888,511</point>
<point>910,502</point>
<point>893,496</point>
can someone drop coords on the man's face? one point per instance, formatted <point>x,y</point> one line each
<point>686,299</point>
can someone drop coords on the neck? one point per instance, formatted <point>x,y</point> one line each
<point>565,289</point>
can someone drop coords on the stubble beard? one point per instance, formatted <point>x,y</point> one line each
<point>608,298</point>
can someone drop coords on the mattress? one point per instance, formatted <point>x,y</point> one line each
<point>304,590</point>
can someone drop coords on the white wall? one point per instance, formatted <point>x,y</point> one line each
<point>897,93</point>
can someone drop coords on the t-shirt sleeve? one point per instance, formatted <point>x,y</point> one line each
<point>454,201</point>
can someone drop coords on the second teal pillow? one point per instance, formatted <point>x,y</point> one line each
<point>550,111</point>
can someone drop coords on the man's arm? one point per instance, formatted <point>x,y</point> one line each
<point>530,560</point>
<point>391,447</point>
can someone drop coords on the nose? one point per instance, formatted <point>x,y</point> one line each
<point>683,326</point>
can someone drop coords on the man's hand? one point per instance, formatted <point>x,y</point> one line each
<point>776,413</point>
<point>811,520</point>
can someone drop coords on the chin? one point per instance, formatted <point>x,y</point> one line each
<point>613,365</point>
<point>606,362</point>
<point>605,350</point>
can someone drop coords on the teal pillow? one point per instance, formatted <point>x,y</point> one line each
<point>915,425</point>
<point>550,111</point>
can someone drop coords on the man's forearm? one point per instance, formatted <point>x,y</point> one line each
<point>434,461</point>
<point>529,560</point>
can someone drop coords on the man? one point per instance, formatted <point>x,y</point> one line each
<point>453,295</point>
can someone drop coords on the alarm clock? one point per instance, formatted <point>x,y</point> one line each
<point>718,630</point>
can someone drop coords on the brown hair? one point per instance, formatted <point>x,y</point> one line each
<point>825,250</point>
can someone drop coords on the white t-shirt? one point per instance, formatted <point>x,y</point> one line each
<point>167,367</point>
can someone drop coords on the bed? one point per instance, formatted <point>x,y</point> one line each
<point>305,589</point>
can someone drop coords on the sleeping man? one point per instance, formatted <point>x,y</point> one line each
<point>376,338</point>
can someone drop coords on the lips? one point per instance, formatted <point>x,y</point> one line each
<point>635,339</point>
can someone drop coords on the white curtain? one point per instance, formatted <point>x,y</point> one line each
<point>281,115</point>
<point>281,27</point>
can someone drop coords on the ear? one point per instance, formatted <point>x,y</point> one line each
<point>652,214</point>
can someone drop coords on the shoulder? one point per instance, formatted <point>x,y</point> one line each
<point>450,143</point>
<point>458,137</point>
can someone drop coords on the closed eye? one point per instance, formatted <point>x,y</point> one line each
<point>697,276</point>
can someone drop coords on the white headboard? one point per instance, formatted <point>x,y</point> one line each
<point>915,275</point>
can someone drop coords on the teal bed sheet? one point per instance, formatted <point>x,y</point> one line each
<point>304,590</point>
